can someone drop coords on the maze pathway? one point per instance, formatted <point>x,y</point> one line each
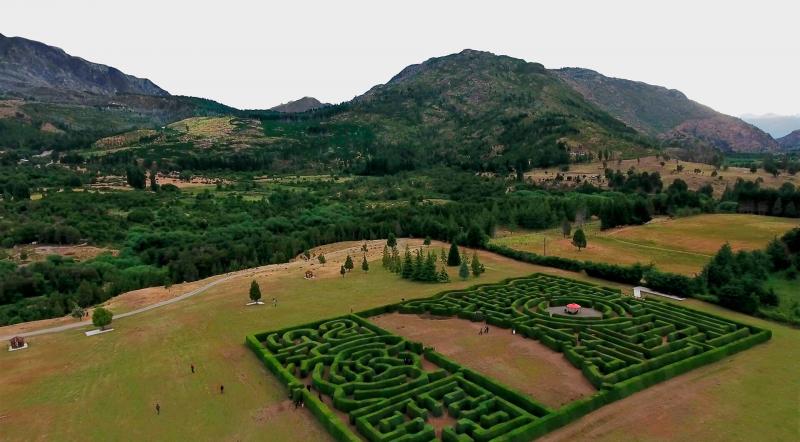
<point>394,389</point>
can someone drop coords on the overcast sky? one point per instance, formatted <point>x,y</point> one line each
<point>735,56</point>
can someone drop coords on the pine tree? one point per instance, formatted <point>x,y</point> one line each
<point>396,264</point>
<point>416,274</point>
<point>391,240</point>
<point>348,263</point>
<point>365,264</point>
<point>443,256</point>
<point>463,271</point>
<point>579,239</point>
<point>407,270</point>
<point>255,291</point>
<point>386,259</point>
<point>321,259</point>
<point>443,276</point>
<point>453,258</point>
<point>427,241</point>
<point>429,272</point>
<point>477,267</point>
<point>566,228</point>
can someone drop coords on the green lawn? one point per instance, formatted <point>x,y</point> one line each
<point>681,245</point>
<point>70,387</point>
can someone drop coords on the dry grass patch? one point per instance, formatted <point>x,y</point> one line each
<point>594,173</point>
<point>525,365</point>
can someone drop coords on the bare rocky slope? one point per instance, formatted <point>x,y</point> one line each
<point>31,69</point>
<point>667,113</point>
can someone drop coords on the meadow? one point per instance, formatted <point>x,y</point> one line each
<point>69,387</point>
<point>680,245</point>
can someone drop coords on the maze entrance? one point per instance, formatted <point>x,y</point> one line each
<point>389,388</point>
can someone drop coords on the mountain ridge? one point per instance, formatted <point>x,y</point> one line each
<point>667,114</point>
<point>30,68</point>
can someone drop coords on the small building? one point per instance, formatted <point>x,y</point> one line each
<point>572,309</point>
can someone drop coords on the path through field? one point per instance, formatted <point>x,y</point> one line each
<point>335,254</point>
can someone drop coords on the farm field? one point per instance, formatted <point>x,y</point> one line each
<point>668,173</point>
<point>681,245</point>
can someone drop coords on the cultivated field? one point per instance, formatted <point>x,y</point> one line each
<point>594,173</point>
<point>681,245</point>
<point>70,387</point>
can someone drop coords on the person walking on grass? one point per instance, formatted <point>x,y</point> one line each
<point>192,368</point>
<point>221,389</point>
<point>158,409</point>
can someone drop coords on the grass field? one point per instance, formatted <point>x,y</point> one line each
<point>681,245</point>
<point>70,387</point>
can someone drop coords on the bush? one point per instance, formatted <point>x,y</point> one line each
<point>101,317</point>
<point>624,274</point>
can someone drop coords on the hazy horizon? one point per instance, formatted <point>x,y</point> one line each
<point>735,58</point>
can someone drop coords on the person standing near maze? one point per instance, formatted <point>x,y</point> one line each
<point>158,409</point>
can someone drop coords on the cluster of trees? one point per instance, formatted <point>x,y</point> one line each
<point>738,279</point>
<point>750,197</point>
<point>417,266</point>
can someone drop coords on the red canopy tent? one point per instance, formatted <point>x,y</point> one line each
<point>573,308</point>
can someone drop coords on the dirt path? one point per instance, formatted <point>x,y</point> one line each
<point>150,298</point>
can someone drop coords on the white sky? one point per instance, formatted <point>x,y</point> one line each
<point>735,56</point>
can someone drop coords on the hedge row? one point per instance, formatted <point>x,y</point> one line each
<point>670,283</point>
<point>581,407</point>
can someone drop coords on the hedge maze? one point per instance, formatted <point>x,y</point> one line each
<point>380,380</point>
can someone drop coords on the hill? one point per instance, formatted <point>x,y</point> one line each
<point>302,105</point>
<point>483,111</point>
<point>52,100</point>
<point>667,113</point>
<point>791,141</point>
<point>32,69</point>
<point>776,125</point>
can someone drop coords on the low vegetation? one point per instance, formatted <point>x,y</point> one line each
<point>379,380</point>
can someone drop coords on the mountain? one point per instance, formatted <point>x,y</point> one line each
<point>790,141</point>
<point>477,110</point>
<point>667,113</point>
<point>776,125</point>
<point>32,69</point>
<point>302,105</point>
<point>50,99</point>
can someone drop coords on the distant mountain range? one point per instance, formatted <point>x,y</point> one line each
<point>302,105</point>
<point>790,141</point>
<point>471,109</point>
<point>776,125</point>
